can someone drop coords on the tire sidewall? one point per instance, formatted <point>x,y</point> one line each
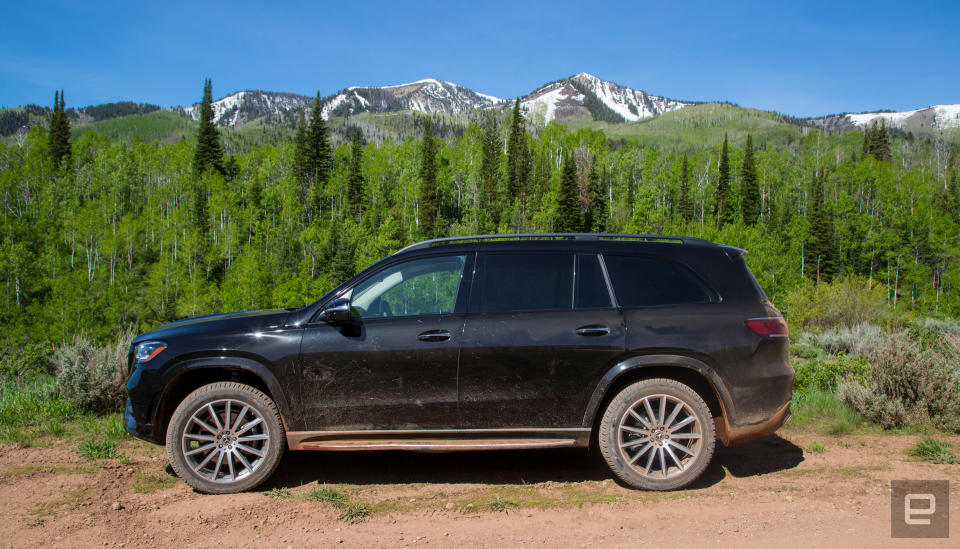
<point>216,391</point>
<point>617,408</point>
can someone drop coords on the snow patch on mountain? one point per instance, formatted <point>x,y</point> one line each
<point>937,117</point>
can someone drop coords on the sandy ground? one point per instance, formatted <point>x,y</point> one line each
<point>776,492</point>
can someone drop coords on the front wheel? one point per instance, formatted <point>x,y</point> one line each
<point>657,434</point>
<point>225,437</point>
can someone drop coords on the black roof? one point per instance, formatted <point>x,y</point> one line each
<point>550,241</point>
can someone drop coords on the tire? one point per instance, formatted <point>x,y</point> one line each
<point>634,452</point>
<point>216,458</point>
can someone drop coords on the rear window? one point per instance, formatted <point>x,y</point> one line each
<point>648,282</point>
<point>527,282</point>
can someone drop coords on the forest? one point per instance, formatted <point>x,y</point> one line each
<point>98,234</point>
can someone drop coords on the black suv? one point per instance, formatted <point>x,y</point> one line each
<point>648,347</point>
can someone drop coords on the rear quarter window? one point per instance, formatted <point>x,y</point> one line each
<point>650,282</point>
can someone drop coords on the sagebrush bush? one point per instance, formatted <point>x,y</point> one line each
<point>909,385</point>
<point>846,302</point>
<point>91,377</point>
<point>862,339</point>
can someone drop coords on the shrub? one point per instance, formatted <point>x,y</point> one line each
<point>31,359</point>
<point>847,302</point>
<point>97,449</point>
<point>827,374</point>
<point>933,450</point>
<point>909,385</point>
<point>91,377</point>
<point>861,339</point>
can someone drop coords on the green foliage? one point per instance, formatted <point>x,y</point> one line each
<point>722,207</point>
<point>858,340</point>
<point>98,449</point>
<point>568,218</point>
<point>827,374</point>
<point>208,155</point>
<point>846,302</point>
<point>517,165</point>
<point>818,253</point>
<point>685,204</point>
<point>30,401</point>
<point>823,411</point>
<point>817,448</point>
<point>428,181</point>
<point>59,133</point>
<point>934,450</point>
<point>91,377</point>
<point>750,189</point>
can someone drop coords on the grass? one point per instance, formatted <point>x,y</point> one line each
<point>146,482</point>
<point>98,449</point>
<point>822,411</point>
<point>351,512</point>
<point>278,493</point>
<point>501,505</point>
<point>817,448</point>
<point>30,408</point>
<point>934,450</point>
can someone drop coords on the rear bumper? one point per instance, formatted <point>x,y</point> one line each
<point>738,434</point>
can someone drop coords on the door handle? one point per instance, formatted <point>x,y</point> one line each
<point>434,335</point>
<point>593,331</point>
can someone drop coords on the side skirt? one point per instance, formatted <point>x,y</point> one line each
<point>438,440</point>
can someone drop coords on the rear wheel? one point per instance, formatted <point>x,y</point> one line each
<point>225,437</point>
<point>657,434</point>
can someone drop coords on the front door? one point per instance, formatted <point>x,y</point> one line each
<point>539,335</point>
<point>394,365</point>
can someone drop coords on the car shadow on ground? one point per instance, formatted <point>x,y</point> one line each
<point>764,456</point>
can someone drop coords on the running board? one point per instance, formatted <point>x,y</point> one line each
<point>437,440</point>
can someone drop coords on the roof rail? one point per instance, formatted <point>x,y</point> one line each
<point>553,236</point>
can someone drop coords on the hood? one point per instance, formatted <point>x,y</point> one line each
<point>261,319</point>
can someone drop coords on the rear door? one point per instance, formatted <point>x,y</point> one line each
<point>540,331</point>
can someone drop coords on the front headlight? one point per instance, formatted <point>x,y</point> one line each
<point>147,350</point>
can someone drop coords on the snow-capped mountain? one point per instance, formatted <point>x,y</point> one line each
<point>246,106</point>
<point>429,95</point>
<point>937,117</point>
<point>585,94</point>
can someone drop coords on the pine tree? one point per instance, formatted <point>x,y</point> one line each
<point>750,193</point>
<point>209,153</point>
<point>865,148</point>
<point>685,207</point>
<point>568,218</point>
<point>300,158</point>
<point>818,249</point>
<point>722,208</point>
<point>595,215</point>
<point>881,147</point>
<point>355,181</point>
<point>489,161</point>
<point>517,164</point>
<point>59,134</point>
<point>318,159</point>
<point>428,180</point>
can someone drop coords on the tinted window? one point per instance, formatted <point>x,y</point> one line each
<point>591,287</point>
<point>644,282</point>
<point>419,287</point>
<point>527,282</point>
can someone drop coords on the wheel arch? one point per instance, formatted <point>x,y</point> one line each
<point>190,375</point>
<point>687,370</point>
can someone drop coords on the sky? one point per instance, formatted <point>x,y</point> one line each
<point>798,58</point>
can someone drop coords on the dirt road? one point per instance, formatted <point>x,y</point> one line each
<point>790,490</point>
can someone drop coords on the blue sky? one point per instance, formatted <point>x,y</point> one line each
<point>799,58</point>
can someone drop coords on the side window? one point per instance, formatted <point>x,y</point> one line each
<point>591,287</point>
<point>418,287</point>
<point>527,282</point>
<point>645,282</point>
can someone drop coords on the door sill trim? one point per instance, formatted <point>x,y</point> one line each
<point>437,440</point>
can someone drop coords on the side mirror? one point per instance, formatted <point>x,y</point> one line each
<point>336,312</point>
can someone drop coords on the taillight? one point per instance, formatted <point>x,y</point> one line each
<point>771,326</point>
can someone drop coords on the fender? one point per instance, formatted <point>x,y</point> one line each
<point>646,361</point>
<point>234,362</point>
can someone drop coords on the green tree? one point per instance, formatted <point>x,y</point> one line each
<point>517,154</point>
<point>722,208</point>
<point>355,181</point>
<point>428,180</point>
<point>568,218</point>
<point>750,190</point>
<point>300,157</point>
<point>318,158</point>
<point>685,206</point>
<point>818,249</point>
<point>596,211</point>
<point>208,154</point>
<point>59,134</point>
<point>490,159</point>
